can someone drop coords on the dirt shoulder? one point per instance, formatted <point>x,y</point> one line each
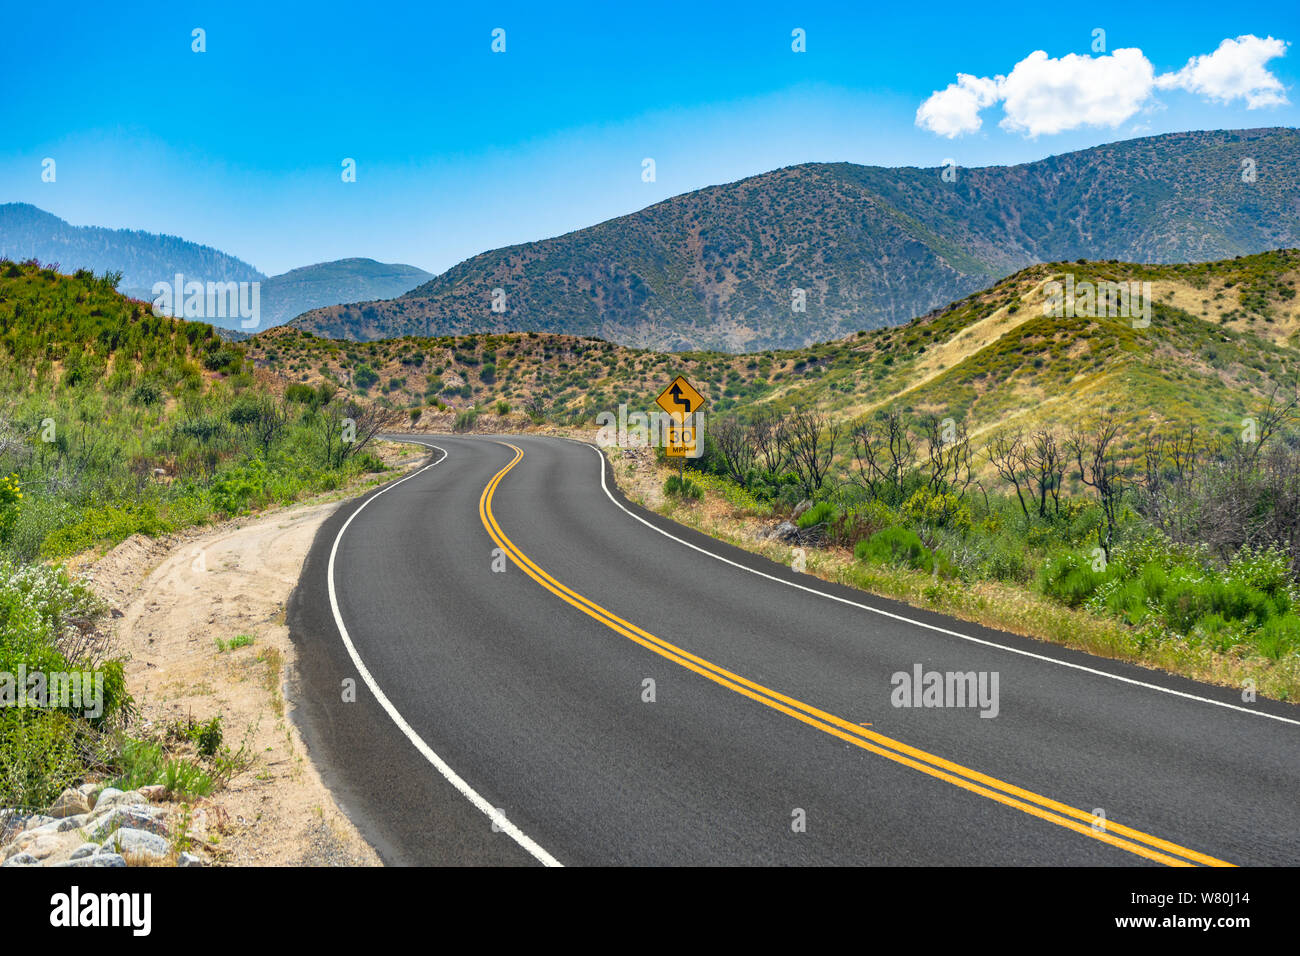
<point>182,601</point>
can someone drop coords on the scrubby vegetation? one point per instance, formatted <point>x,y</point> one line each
<point>1184,539</point>
<point>115,422</point>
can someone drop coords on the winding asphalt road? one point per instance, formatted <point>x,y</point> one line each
<point>504,662</point>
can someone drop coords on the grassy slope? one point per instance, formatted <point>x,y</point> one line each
<point>1221,335</point>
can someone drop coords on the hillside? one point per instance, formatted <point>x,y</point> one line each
<point>871,247</point>
<point>1221,335</point>
<point>328,283</point>
<point>144,258</point>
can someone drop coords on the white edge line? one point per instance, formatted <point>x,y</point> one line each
<point>499,819</point>
<point>929,627</point>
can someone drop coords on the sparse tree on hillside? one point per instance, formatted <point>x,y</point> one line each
<point>735,443</point>
<point>812,440</point>
<point>1101,469</point>
<point>883,454</point>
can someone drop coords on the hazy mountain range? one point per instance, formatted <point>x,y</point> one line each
<point>144,258</point>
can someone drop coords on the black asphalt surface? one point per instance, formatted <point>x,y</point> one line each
<point>539,708</point>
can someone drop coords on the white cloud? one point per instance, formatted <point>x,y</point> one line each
<point>1235,70</point>
<point>956,110</point>
<point>1044,95</point>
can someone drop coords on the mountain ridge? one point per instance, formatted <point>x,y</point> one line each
<point>870,246</point>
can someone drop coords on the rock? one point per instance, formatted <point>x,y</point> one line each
<point>21,859</point>
<point>129,840</point>
<point>36,821</point>
<point>91,791</point>
<point>100,859</point>
<point>785,531</point>
<point>86,849</point>
<point>142,817</point>
<point>71,823</point>
<point>154,793</point>
<point>116,798</point>
<point>40,844</point>
<point>106,798</point>
<point>189,859</point>
<point>799,509</point>
<point>71,803</point>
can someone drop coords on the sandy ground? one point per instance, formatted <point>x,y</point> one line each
<point>177,599</point>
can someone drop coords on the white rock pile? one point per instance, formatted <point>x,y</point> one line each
<point>94,825</point>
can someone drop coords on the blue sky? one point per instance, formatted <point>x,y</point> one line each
<point>459,149</point>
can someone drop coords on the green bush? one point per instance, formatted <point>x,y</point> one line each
<point>364,377</point>
<point>465,420</point>
<point>40,756</point>
<point>1006,562</point>
<point>820,513</point>
<point>896,546</point>
<point>945,510</point>
<point>1070,578</point>
<point>679,486</point>
<point>300,394</point>
<point>147,394</point>
<point>1279,636</point>
<point>240,488</point>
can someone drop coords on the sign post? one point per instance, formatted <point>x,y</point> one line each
<point>681,401</point>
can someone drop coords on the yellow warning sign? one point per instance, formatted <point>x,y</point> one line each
<point>680,399</point>
<point>680,442</point>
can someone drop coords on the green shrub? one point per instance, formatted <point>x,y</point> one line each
<point>11,496</point>
<point>147,394</point>
<point>185,780</point>
<point>820,513</point>
<point>240,488</point>
<point>896,546</point>
<point>679,486</point>
<point>300,394</point>
<point>465,420</point>
<point>945,510</point>
<point>40,756</point>
<point>1070,578</point>
<point>1279,636</point>
<point>1006,562</point>
<point>364,377</point>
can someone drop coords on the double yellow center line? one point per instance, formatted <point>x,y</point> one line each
<point>1072,818</point>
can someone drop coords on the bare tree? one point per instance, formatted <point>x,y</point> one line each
<point>812,440</point>
<point>735,444</point>
<point>768,436</point>
<point>268,421</point>
<point>1045,464</point>
<point>1278,412</point>
<point>883,455</point>
<point>1101,470</point>
<point>1006,453</point>
<point>348,426</point>
<point>948,456</point>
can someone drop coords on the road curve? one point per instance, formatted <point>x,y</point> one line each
<point>465,714</point>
